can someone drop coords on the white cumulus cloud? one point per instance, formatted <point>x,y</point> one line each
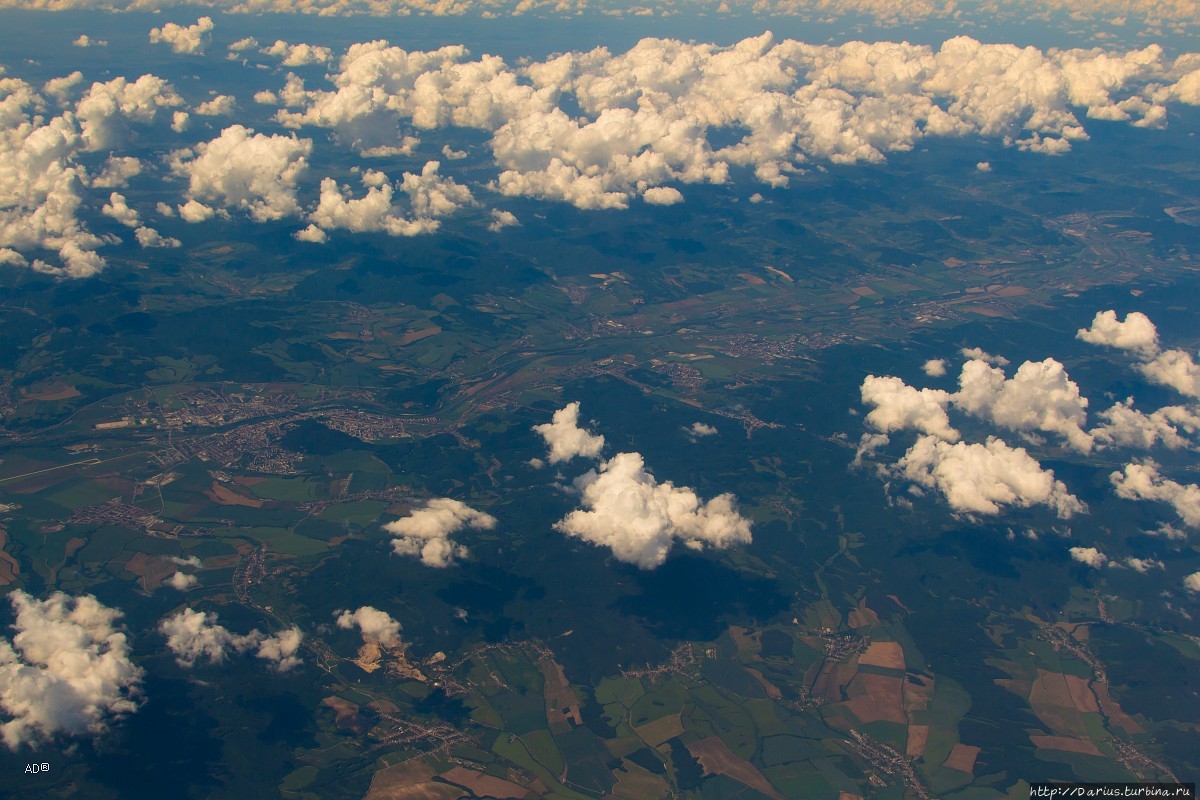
<point>1142,481</point>
<point>244,170</point>
<point>1136,333</point>
<point>182,581</point>
<point>1174,427</point>
<point>425,533</point>
<point>566,439</point>
<point>899,406</point>
<point>150,238</point>
<point>186,40</point>
<point>430,197</point>
<point>117,208</point>
<point>625,509</point>
<point>934,367</point>
<point>197,636</point>
<point>298,55</point>
<point>376,626</point>
<point>984,478</point>
<point>116,172</point>
<point>1040,397</point>
<point>221,105</point>
<point>1090,556</point>
<point>66,670</point>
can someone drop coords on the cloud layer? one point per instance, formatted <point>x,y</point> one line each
<point>652,116</point>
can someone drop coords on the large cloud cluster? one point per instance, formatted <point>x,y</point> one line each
<point>653,115</point>
<point>981,478</point>
<point>595,129</point>
<point>244,170</point>
<point>42,181</point>
<point>1039,399</point>
<point>66,671</point>
<point>425,533</point>
<point>197,636</point>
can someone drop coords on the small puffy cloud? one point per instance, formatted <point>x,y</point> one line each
<point>934,367</point>
<point>298,55</point>
<point>502,219</point>
<point>245,170</point>
<point>116,172</point>
<point>1142,481</point>
<point>194,211</point>
<point>662,196</point>
<point>1089,556</point>
<point>453,155</point>
<point>311,234</point>
<point>190,561</point>
<point>899,406</point>
<point>1136,333</point>
<point>984,478</point>
<point>983,166</point>
<point>1192,582</point>
<point>625,509</point>
<point>701,429</point>
<point>376,626</point>
<point>219,106</point>
<point>182,581</point>
<point>196,636</point>
<point>189,40</point>
<point>425,533</point>
<point>149,238</point>
<point>247,43</point>
<point>118,210</point>
<point>566,439</point>
<point>86,41</point>
<point>979,354</point>
<point>66,670</point>
<point>180,121</point>
<point>1142,565</point>
<point>266,98</point>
